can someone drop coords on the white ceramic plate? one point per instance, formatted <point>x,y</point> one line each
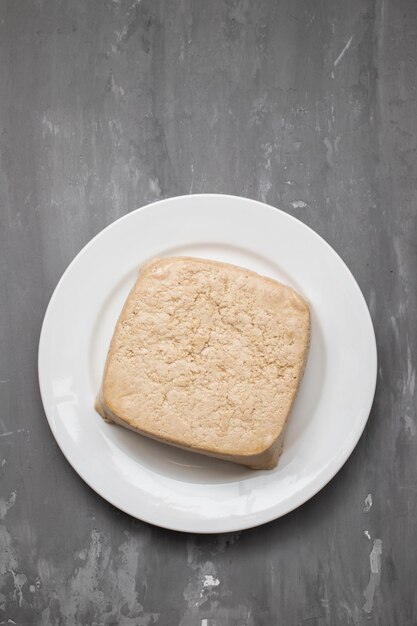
<point>167,486</point>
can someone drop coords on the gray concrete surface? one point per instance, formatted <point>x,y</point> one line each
<point>309,105</point>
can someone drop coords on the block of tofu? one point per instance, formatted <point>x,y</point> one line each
<point>208,357</point>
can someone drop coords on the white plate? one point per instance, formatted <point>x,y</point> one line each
<point>161,484</point>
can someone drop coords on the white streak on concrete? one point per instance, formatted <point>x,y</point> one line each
<point>203,583</point>
<point>366,533</point>
<point>121,34</point>
<point>264,187</point>
<point>192,179</point>
<point>374,575</point>
<point>342,54</point>
<point>411,372</point>
<point>410,426</point>
<point>329,151</point>
<point>19,580</point>
<point>310,21</point>
<point>12,432</point>
<point>116,89</point>
<point>408,390</point>
<point>210,581</point>
<point>154,187</point>
<point>267,151</point>
<point>5,505</point>
<point>375,557</point>
<point>368,503</point>
<point>48,127</point>
<point>8,556</point>
<point>104,567</point>
<point>298,204</point>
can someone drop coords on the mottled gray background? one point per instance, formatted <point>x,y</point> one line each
<point>309,105</point>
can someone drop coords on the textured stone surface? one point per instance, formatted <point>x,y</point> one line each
<point>107,105</point>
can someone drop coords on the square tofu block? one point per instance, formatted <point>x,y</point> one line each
<point>208,357</point>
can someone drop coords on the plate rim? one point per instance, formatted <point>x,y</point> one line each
<point>267,515</point>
